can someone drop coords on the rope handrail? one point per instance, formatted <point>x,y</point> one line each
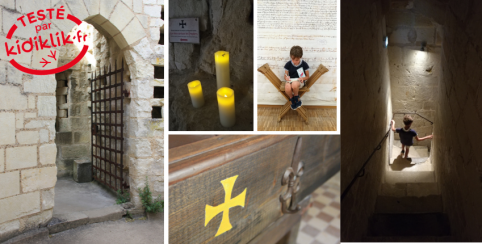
<point>414,113</point>
<point>361,172</point>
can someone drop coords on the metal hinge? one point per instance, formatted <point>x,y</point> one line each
<point>292,179</point>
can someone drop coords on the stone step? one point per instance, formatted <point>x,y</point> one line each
<point>431,224</point>
<point>393,177</point>
<point>409,205</point>
<point>66,221</point>
<point>411,164</point>
<point>409,189</point>
<point>409,239</point>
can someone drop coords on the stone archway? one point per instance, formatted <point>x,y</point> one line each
<point>28,149</point>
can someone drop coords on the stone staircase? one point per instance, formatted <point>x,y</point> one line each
<point>409,205</point>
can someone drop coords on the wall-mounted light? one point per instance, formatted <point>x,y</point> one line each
<point>424,44</point>
<point>385,41</point>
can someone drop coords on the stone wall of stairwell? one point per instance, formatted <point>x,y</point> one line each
<point>28,107</point>
<point>457,138</point>
<point>366,110</point>
<point>414,74</point>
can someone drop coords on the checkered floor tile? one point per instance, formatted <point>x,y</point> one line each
<point>321,224</point>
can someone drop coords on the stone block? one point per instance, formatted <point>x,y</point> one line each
<point>9,18</point>
<point>32,124</point>
<point>40,84</point>
<point>3,72</point>
<point>48,154</point>
<point>155,33</point>
<point>7,128</point>
<point>14,76</point>
<point>137,6</point>
<point>134,31</point>
<point>120,41</point>
<point>121,16</point>
<point>141,89</point>
<point>48,198</point>
<point>106,7</point>
<point>2,160</point>
<point>140,147</point>
<point>8,230</point>
<point>80,123</point>
<point>23,58</point>
<point>28,137</point>
<point>20,205</point>
<point>144,19</point>
<point>62,113</point>
<point>10,183</point>
<point>21,157</point>
<point>92,7</point>
<point>64,124</point>
<point>63,138</point>
<point>128,3</point>
<point>37,220</point>
<point>67,221</point>
<point>44,136</point>
<point>38,56</point>
<point>110,28</point>
<point>144,49</point>
<point>111,213</point>
<point>82,170</point>
<point>30,115</point>
<point>82,137</point>
<point>62,91</point>
<point>47,106</point>
<point>12,98</point>
<point>78,9</point>
<point>32,99</point>
<point>75,151</point>
<point>19,120</point>
<point>38,178</point>
<point>153,11</point>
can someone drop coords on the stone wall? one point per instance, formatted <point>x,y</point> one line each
<point>458,119</point>
<point>414,74</point>
<point>366,110</point>
<point>224,25</point>
<point>28,108</point>
<point>73,104</point>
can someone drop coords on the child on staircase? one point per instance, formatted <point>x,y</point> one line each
<point>407,134</point>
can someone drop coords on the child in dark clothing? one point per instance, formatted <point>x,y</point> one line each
<point>296,69</point>
<point>407,134</point>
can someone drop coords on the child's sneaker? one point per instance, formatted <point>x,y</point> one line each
<point>293,103</point>
<point>402,152</point>
<point>299,103</point>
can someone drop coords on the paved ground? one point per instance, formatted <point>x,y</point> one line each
<point>322,222</point>
<point>118,232</point>
<point>71,196</point>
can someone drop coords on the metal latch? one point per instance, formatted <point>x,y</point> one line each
<point>292,179</point>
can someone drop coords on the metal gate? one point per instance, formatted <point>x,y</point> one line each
<point>107,117</point>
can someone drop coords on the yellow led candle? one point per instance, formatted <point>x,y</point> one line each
<point>222,69</point>
<point>226,106</point>
<point>196,92</point>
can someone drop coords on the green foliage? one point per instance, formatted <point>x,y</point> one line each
<point>151,205</point>
<point>122,197</point>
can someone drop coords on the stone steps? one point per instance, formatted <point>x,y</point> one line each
<point>410,225</point>
<point>409,189</point>
<point>409,205</point>
<point>393,177</point>
<point>409,239</point>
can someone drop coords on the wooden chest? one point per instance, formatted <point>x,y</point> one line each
<point>230,189</point>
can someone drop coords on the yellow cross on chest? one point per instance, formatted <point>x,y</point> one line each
<point>239,200</point>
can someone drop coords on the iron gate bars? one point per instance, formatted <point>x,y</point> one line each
<point>107,121</point>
